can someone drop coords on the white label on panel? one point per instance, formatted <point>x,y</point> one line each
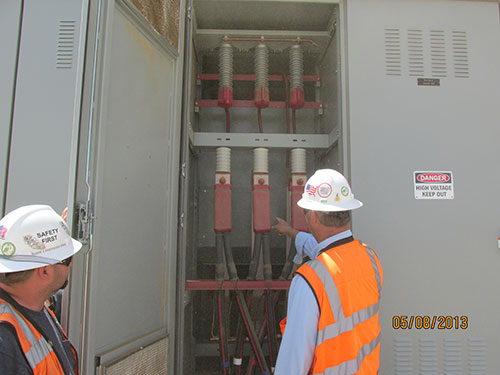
<point>433,185</point>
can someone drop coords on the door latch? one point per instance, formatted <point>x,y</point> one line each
<point>84,219</point>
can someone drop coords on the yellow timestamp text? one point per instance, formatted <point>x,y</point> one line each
<point>430,322</point>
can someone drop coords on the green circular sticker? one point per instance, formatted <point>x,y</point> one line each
<point>344,191</point>
<point>8,249</point>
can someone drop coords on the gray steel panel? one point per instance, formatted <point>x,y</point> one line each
<point>271,19</point>
<point>440,257</point>
<point>263,15</point>
<point>46,103</point>
<point>262,140</point>
<point>209,39</point>
<point>134,184</point>
<point>10,24</point>
<point>244,120</point>
<point>331,120</point>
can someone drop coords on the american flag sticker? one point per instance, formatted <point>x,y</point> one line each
<point>311,190</point>
<point>3,232</point>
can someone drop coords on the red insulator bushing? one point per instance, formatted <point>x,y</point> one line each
<point>298,219</point>
<point>261,97</point>
<point>297,98</point>
<point>225,97</point>
<point>222,202</point>
<point>261,197</point>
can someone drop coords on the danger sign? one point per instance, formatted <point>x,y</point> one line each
<point>433,185</point>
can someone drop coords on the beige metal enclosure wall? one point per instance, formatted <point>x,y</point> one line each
<point>424,90</point>
<point>41,67</point>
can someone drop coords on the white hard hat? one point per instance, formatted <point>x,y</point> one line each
<point>328,190</point>
<point>32,237</point>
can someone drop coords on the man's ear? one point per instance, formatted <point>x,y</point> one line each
<point>44,272</point>
<point>314,217</point>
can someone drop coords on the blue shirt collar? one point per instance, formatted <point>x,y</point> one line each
<point>337,237</point>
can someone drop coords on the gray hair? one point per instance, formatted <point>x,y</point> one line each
<point>334,219</point>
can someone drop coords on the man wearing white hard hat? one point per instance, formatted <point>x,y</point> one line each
<point>36,249</point>
<point>332,324</point>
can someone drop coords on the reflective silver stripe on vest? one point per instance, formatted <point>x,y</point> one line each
<point>371,254</point>
<point>40,349</point>
<point>347,324</point>
<point>330,288</point>
<point>352,366</point>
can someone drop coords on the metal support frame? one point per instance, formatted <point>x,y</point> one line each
<point>236,285</point>
<point>251,77</point>
<point>250,140</point>
<point>251,104</point>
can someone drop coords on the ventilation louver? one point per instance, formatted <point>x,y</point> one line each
<point>65,45</point>
<point>146,360</point>
<point>426,53</point>
<point>393,52</point>
<point>460,54</point>
<point>415,53</point>
<point>438,53</point>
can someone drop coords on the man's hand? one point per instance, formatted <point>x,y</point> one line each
<point>283,228</point>
<point>64,214</point>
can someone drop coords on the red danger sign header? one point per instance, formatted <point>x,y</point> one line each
<point>433,177</point>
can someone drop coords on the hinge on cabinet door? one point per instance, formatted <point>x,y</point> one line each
<point>183,170</point>
<point>189,12</point>
<point>84,219</point>
<point>187,297</point>
<point>181,220</point>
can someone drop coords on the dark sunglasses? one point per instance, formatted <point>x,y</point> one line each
<point>306,211</point>
<point>66,262</point>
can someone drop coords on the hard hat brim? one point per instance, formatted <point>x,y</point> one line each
<point>8,265</point>
<point>352,204</point>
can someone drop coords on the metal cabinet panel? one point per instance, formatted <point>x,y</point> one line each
<point>133,177</point>
<point>46,103</point>
<point>10,25</point>
<point>424,90</point>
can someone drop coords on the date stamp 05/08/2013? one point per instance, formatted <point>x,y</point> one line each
<point>430,322</point>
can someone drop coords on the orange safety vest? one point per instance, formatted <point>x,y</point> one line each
<point>346,279</point>
<point>38,352</point>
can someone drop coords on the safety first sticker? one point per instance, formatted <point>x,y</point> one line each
<point>433,185</point>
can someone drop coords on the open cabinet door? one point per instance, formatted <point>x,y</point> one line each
<point>124,282</point>
<point>424,90</point>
